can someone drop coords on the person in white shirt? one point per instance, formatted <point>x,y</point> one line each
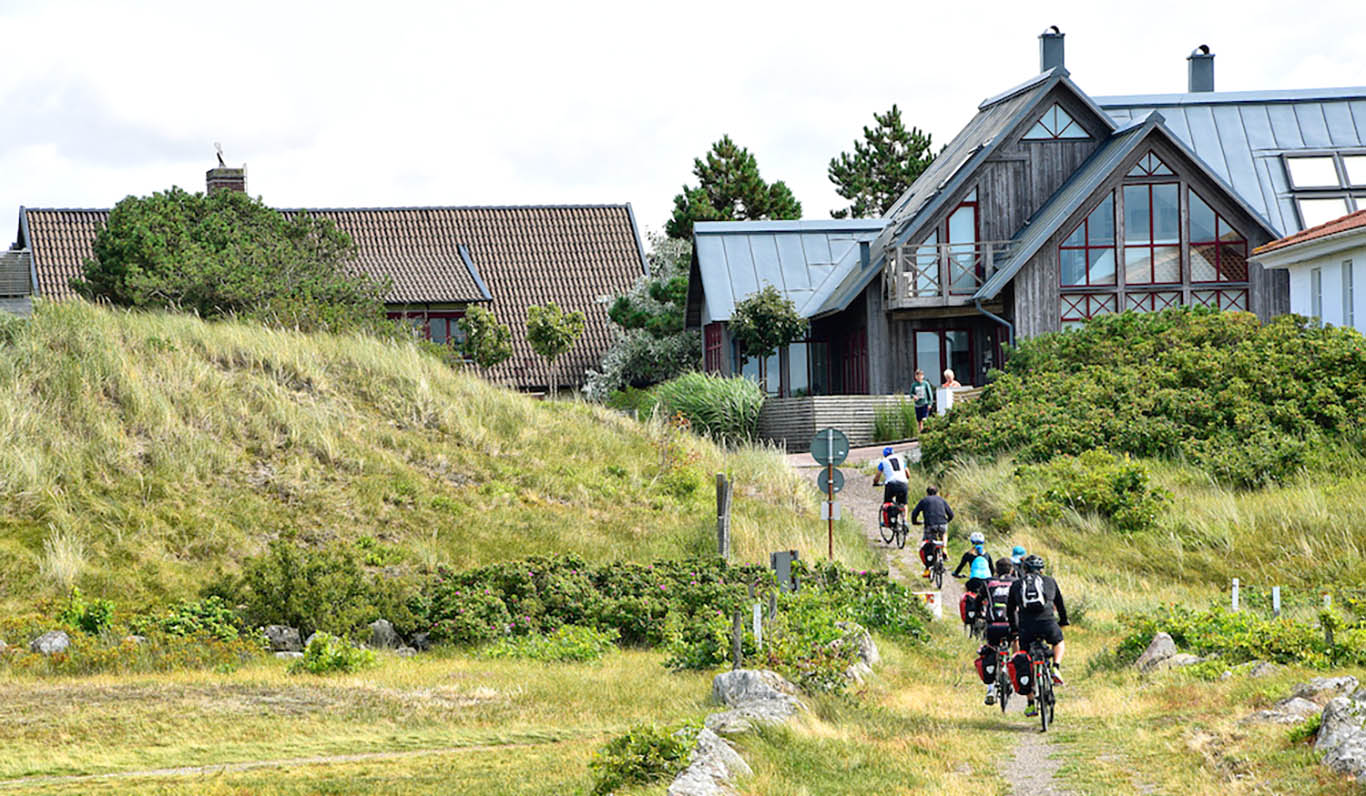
<point>891,472</point>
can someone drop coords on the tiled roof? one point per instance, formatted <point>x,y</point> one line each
<point>575,255</point>
<point>1337,226</point>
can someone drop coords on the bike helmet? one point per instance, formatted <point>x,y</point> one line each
<point>1032,564</point>
<point>1017,553</point>
<point>977,537</point>
<point>887,451</point>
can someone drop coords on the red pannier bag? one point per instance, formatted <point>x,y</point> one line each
<point>1021,670</point>
<point>986,664</point>
<point>925,553</point>
<point>968,607</point>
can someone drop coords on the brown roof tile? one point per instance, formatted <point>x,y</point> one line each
<point>573,255</point>
<point>1349,221</point>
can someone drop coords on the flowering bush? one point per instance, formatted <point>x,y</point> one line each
<point>1245,636</point>
<point>1216,388</point>
<point>327,653</point>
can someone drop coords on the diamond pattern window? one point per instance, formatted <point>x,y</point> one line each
<point>1150,165</point>
<point>1055,124</point>
<point>1218,251</point>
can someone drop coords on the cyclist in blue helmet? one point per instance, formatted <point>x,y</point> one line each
<point>978,562</point>
<point>1017,554</point>
<point>891,472</point>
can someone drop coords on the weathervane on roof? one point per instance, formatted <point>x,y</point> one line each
<point>219,147</point>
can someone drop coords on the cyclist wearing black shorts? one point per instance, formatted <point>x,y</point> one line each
<point>1030,610</point>
<point>937,515</point>
<point>891,472</point>
<point>995,595</point>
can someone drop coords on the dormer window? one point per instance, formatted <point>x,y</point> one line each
<point>1150,165</point>
<point>1056,124</point>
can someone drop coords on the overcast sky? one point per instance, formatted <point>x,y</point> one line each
<point>389,103</point>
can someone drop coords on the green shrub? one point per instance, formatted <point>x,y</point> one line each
<point>1305,730</point>
<point>563,645</point>
<point>646,754</point>
<point>327,653</point>
<point>895,422</point>
<point>87,616</point>
<point>1244,636</point>
<point>1217,388</point>
<point>1114,487</point>
<point>631,399</point>
<point>724,409</point>
<point>210,617</point>
<point>319,589</point>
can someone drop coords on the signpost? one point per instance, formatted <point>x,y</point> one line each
<point>830,447</point>
<point>823,477</point>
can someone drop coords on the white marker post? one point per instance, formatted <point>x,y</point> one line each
<point>1235,595</point>
<point>758,627</point>
<point>1276,600</point>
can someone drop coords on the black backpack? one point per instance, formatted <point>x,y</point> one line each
<point>1032,596</point>
<point>998,593</point>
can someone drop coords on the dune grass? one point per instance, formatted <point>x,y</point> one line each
<point>145,451</point>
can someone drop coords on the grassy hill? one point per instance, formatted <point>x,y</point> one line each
<point>143,453</point>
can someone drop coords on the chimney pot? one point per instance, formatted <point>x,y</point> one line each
<point>1050,49</point>
<point>223,178</point>
<point>1200,70</point>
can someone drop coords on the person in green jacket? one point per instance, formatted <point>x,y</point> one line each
<point>922,392</point>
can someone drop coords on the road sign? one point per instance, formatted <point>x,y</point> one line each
<point>825,482</point>
<point>830,509</point>
<point>830,446</point>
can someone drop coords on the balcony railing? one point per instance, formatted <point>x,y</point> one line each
<point>940,274</point>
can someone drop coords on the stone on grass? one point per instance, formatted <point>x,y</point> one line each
<point>3,646</point>
<point>51,643</point>
<point>283,638</point>
<point>715,764</point>
<point>310,638</point>
<point>1322,689</point>
<point>1288,711</point>
<point>405,652</point>
<point>135,640</point>
<point>289,655</point>
<point>1161,648</point>
<point>868,655</point>
<point>1263,669</point>
<point>422,641</point>
<point>383,636</point>
<point>1179,660</point>
<point>755,697</point>
<point>1342,734</point>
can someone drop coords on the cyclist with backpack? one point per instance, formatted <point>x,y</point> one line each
<point>937,515</point>
<point>978,562</point>
<point>995,598</point>
<point>891,472</point>
<point>1030,609</point>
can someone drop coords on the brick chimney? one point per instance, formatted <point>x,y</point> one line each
<point>223,178</point>
<point>1050,48</point>
<point>1200,72</point>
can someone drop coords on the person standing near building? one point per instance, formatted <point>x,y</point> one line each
<point>922,392</point>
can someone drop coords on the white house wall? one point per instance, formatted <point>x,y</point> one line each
<point>1301,281</point>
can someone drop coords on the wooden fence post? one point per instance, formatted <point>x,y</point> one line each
<point>737,631</point>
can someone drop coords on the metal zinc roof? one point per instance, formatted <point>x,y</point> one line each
<point>1241,134</point>
<point>805,260</point>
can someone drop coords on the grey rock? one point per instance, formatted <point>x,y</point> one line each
<point>383,636</point>
<point>1322,689</point>
<point>742,686</point>
<point>1227,675</point>
<point>713,766</point>
<point>745,718</point>
<point>310,638</point>
<point>1288,711</point>
<point>1180,660</point>
<point>422,641</point>
<point>1344,718</point>
<point>289,655</point>
<point>1262,669</point>
<point>3,646</point>
<point>868,654</point>
<point>405,652</point>
<point>1349,757</point>
<point>283,638</point>
<point>135,639</point>
<point>1161,648</point>
<point>50,643</point>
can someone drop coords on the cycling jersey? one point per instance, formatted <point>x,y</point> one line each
<point>969,560</point>
<point>893,469</point>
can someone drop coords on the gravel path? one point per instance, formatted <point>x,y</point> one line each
<point>1031,772</point>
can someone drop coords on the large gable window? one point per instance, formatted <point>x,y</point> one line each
<point>1152,234</point>
<point>1218,251</point>
<point>1055,124</point>
<point>1087,257</point>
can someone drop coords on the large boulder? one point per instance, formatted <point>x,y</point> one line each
<point>856,635</point>
<point>1322,689</point>
<point>1263,669</point>
<point>1159,649</point>
<point>714,765</point>
<point>283,638</point>
<point>755,697</point>
<point>383,636</point>
<point>50,643</point>
<point>1179,660</point>
<point>1343,718</point>
<point>1293,710</point>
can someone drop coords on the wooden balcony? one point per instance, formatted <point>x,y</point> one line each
<point>940,275</point>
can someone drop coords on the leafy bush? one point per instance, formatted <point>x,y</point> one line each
<point>647,753</point>
<point>1244,636</point>
<point>724,409</point>
<point>87,616</point>
<point>327,653</point>
<point>1096,481</point>
<point>319,589</point>
<point>1306,730</point>
<point>211,617</point>
<point>114,653</point>
<point>894,422</point>
<point>1216,388</point>
<point>565,644</point>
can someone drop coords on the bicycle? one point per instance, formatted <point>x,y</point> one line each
<point>1004,688</point>
<point>937,556</point>
<point>895,532</point>
<point>1041,657</point>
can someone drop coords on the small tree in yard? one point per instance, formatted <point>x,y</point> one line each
<point>883,166</point>
<point>488,343</point>
<point>228,254</point>
<point>765,322</point>
<point>551,332</point>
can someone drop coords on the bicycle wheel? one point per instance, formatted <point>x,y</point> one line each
<point>1003,685</point>
<point>1043,694</point>
<point>900,534</point>
<point>938,573</point>
<point>888,532</point>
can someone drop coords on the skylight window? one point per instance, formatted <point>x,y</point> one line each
<point>1055,124</point>
<point>1313,172</point>
<point>1355,166</point>
<point>1318,211</point>
<point>1150,166</point>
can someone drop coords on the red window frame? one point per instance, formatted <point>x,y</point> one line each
<point>426,317</point>
<point>1087,247</point>
<point>1085,306</point>
<point>1151,246</point>
<point>711,357</point>
<point>978,268</point>
<point>1236,249</point>
<point>854,364</point>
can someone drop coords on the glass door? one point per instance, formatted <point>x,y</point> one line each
<point>962,240</point>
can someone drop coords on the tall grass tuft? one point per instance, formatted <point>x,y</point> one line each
<point>63,560</point>
<point>724,409</point>
<point>895,422</point>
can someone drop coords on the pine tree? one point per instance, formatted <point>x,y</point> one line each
<point>729,189</point>
<point>883,166</point>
